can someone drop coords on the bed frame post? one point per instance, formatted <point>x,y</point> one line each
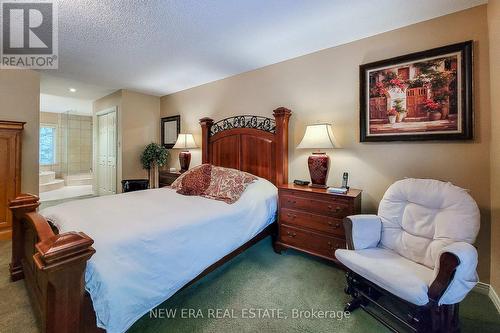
<point>62,260</point>
<point>23,204</point>
<point>206,124</point>
<point>282,116</point>
<point>53,266</point>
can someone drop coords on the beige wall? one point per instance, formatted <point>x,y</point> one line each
<point>323,86</point>
<point>138,125</point>
<point>20,101</point>
<point>494,32</point>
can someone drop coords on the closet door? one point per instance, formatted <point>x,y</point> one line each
<point>102,153</point>
<point>106,153</point>
<point>111,154</point>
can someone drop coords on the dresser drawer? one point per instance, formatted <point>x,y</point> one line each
<point>334,207</point>
<point>322,223</point>
<point>311,242</point>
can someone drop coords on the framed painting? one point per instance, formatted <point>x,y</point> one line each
<point>420,96</point>
<point>170,129</point>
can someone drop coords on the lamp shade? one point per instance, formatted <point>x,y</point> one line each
<point>185,141</point>
<point>318,136</point>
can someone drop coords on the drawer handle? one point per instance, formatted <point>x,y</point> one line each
<point>336,226</point>
<point>337,209</point>
<point>291,234</point>
<point>291,215</point>
<point>292,201</point>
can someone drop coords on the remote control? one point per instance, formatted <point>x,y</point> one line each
<point>301,182</point>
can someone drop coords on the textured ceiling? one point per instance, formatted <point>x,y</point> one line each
<point>160,47</point>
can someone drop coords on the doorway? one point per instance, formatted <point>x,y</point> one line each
<point>106,151</point>
<point>65,154</point>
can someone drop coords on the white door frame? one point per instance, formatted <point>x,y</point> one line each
<point>96,148</point>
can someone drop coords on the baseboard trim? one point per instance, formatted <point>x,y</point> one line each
<point>482,288</point>
<point>494,298</point>
<point>486,289</point>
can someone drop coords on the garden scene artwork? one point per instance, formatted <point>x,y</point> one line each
<point>421,96</point>
<point>414,98</point>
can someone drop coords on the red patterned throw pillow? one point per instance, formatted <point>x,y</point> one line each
<point>228,184</point>
<point>177,184</point>
<point>195,181</point>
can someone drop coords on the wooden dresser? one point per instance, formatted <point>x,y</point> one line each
<point>310,219</point>
<point>167,177</point>
<point>10,171</point>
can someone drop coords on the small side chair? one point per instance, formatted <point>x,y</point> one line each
<point>417,251</point>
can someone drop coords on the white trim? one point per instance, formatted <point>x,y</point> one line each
<point>486,289</point>
<point>494,298</point>
<point>482,288</point>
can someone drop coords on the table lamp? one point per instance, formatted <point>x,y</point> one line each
<point>318,136</point>
<point>185,141</point>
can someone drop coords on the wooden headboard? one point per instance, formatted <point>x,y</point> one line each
<point>254,144</point>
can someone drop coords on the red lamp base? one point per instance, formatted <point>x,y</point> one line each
<point>319,164</point>
<point>184,160</point>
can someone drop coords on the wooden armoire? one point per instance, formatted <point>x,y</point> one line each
<point>10,171</point>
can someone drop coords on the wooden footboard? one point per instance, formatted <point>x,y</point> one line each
<point>53,266</point>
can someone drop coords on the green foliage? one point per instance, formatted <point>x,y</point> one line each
<point>416,82</point>
<point>428,67</point>
<point>439,80</point>
<point>398,105</point>
<point>154,154</point>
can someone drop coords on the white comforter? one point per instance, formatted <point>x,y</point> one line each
<point>151,243</point>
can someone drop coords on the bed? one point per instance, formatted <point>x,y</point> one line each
<point>97,254</point>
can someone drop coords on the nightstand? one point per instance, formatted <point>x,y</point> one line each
<point>310,219</point>
<point>167,177</point>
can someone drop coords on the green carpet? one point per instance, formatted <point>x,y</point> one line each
<point>256,279</point>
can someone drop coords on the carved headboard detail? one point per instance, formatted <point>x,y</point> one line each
<point>254,144</point>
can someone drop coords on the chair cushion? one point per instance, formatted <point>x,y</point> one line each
<point>421,216</point>
<point>390,271</point>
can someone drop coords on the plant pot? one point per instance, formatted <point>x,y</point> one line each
<point>434,116</point>
<point>392,119</point>
<point>401,116</point>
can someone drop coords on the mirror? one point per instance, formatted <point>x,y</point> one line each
<point>170,129</point>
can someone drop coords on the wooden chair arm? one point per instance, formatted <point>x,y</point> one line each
<point>348,233</point>
<point>448,263</point>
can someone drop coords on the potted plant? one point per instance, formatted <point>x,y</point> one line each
<point>401,111</point>
<point>392,115</point>
<point>153,156</point>
<point>433,109</point>
<point>442,97</point>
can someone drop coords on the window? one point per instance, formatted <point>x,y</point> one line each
<point>404,73</point>
<point>47,144</point>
